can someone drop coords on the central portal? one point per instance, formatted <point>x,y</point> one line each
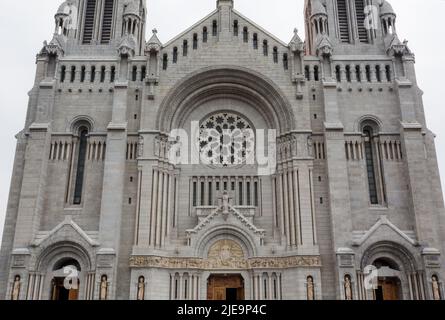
<point>225,288</point>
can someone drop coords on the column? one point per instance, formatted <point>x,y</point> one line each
<point>154,205</point>
<point>291,208</point>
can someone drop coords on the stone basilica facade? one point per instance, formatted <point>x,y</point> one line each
<point>105,202</point>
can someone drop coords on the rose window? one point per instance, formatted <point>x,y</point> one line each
<point>226,139</point>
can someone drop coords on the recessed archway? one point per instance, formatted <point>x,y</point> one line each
<point>225,287</point>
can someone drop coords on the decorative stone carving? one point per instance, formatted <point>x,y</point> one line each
<point>15,295</point>
<point>310,289</point>
<point>141,147</point>
<point>103,294</point>
<point>348,288</point>
<point>436,288</point>
<point>235,264</point>
<point>141,289</point>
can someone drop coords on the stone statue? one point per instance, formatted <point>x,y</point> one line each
<point>225,203</point>
<point>348,288</point>
<point>15,295</point>
<point>310,289</point>
<point>436,289</point>
<point>103,288</point>
<point>141,289</point>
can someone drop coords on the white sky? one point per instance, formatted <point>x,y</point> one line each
<point>24,25</point>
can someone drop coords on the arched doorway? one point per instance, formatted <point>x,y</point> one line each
<point>389,284</point>
<point>65,283</point>
<point>225,287</point>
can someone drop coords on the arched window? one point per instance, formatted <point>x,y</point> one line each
<point>368,73</point>
<point>235,28</point>
<point>214,28</point>
<point>388,73</point>
<point>358,74</point>
<point>175,54</point>
<point>316,73</point>
<point>371,165</point>
<point>93,74</point>
<point>88,27</point>
<point>307,73</point>
<point>275,54</point>
<point>285,61</point>
<point>255,41</point>
<point>348,73</point>
<point>338,73</point>
<point>378,73</point>
<point>134,73</point>
<point>185,48</point>
<point>80,172</point>
<point>204,34</point>
<point>113,74</point>
<point>265,48</point>
<point>73,74</point>
<point>107,21</point>
<point>343,21</point>
<point>143,73</point>
<point>82,74</point>
<point>165,61</point>
<point>102,74</point>
<point>63,74</point>
<point>195,41</point>
<point>246,34</point>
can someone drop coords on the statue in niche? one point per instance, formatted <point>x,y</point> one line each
<point>141,289</point>
<point>436,288</point>
<point>15,295</point>
<point>310,289</point>
<point>348,288</point>
<point>103,288</point>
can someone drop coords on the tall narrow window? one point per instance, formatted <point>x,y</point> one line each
<point>113,74</point>
<point>316,73</point>
<point>370,165</point>
<point>249,199</point>
<point>378,73</point>
<point>93,74</point>
<point>360,14</point>
<point>202,193</point>
<point>214,28</point>
<point>107,21</point>
<point>240,190</point>
<point>134,73</point>
<point>255,41</point>
<point>368,73</point>
<point>195,194</point>
<point>245,34</point>
<point>285,61</point>
<point>275,55</point>
<point>388,73</point>
<point>307,73</point>
<point>102,74</point>
<point>210,194</point>
<point>175,55</point>
<point>73,74</point>
<point>255,194</point>
<point>358,74</point>
<point>205,34</point>
<point>265,48</point>
<point>63,74</point>
<point>343,21</point>
<point>185,48</point>
<point>165,62</point>
<point>88,27</point>
<point>80,173</point>
<point>82,74</point>
<point>195,41</point>
<point>338,73</point>
<point>235,28</point>
<point>143,73</point>
<point>348,73</point>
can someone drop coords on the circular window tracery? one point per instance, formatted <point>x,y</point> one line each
<point>226,139</point>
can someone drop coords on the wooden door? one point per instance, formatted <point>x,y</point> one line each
<point>390,289</point>
<point>219,284</point>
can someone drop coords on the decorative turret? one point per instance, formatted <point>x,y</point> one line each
<point>66,18</point>
<point>316,25</point>
<point>388,17</point>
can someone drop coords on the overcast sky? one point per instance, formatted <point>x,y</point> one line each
<point>24,25</point>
